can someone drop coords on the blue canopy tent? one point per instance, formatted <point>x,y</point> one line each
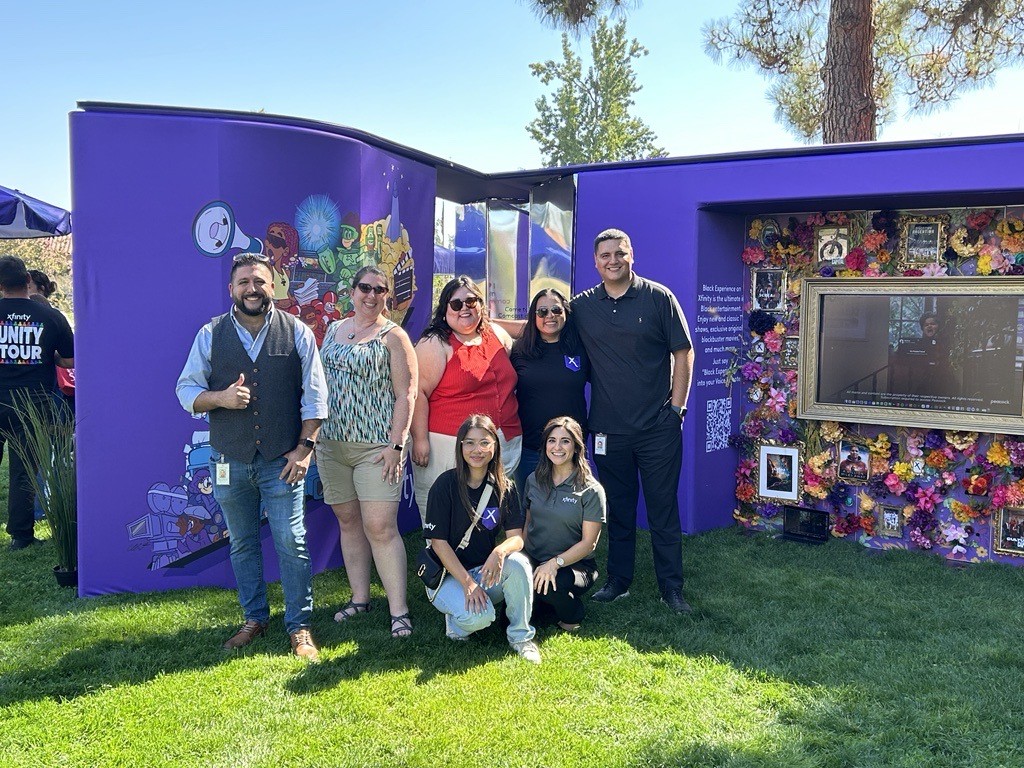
<point>22,216</point>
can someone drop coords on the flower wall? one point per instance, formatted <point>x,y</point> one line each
<point>956,493</point>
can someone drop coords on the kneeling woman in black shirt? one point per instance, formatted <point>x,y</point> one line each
<point>465,509</point>
<point>565,509</point>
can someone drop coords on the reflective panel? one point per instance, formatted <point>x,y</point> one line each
<point>504,223</point>
<point>551,224</point>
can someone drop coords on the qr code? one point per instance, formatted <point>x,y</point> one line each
<point>719,424</point>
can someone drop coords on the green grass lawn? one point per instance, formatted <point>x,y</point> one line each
<point>795,656</point>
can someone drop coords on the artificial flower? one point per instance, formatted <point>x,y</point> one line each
<point>831,432</point>
<point>752,255</point>
<point>745,491</point>
<point>966,244</point>
<point>756,227</point>
<point>912,273</point>
<point>773,341</point>
<point>926,498</point>
<point>915,440</point>
<point>976,485</point>
<point>1016,450</point>
<point>760,322</point>
<point>961,440</point>
<point>873,241</point>
<point>998,455</point>
<point>776,400</point>
<point>903,471</point>
<point>934,270</point>
<point>984,266</point>
<point>980,220</point>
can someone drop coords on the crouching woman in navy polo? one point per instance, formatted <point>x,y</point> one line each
<point>565,509</point>
<point>466,508</point>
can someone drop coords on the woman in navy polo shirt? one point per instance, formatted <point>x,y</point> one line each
<point>565,509</point>
<point>552,369</point>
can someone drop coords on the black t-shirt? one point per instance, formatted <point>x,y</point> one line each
<point>30,333</point>
<point>630,341</point>
<point>448,519</point>
<point>550,385</point>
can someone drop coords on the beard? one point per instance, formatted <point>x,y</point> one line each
<point>261,310</point>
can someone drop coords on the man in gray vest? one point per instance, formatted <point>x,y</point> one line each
<point>256,372</point>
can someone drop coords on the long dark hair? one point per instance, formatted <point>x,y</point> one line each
<point>439,327</point>
<point>495,471</point>
<point>46,286</point>
<point>528,344</point>
<point>584,477</point>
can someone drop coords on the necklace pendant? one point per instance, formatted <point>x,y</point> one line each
<point>351,336</point>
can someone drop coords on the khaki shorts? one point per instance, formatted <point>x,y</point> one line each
<point>348,472</point>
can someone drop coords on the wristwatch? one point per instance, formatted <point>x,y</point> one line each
<point>560,561</point>
<point>309,443</point>
<point>679,411</point>
<point>397,446</point>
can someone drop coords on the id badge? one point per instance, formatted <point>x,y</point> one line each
<point>600,444</point>
<point>223,473</point>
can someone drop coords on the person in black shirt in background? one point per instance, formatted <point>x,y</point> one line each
<point>34,339</point>
<point>553,369</point>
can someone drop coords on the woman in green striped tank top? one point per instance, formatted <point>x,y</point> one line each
<point>372,382</point>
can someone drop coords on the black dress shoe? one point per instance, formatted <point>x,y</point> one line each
<point>611,591</point>
<point>17,544</point>
<point>674,600</point>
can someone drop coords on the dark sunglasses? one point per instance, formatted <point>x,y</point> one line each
<point>555,310</point>
<point>277,242</point>
<point>377,289</point>
<point>470,302</point>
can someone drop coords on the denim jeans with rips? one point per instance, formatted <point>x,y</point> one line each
<point>255,486</point>
<point>515,588</point>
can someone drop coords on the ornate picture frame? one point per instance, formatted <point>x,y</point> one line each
<point>853,461</point>
<point>1008,531</point>
<point>779,471</point>
<point>831,244</point>
<point>890,521</point>
<point>923,239</point>
<point>789,355</point>
<point>768,289</point>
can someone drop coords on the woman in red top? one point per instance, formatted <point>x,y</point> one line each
<point>464,369</point>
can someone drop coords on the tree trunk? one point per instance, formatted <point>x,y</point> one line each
<point>848,73</point>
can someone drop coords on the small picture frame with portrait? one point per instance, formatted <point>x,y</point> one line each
<point>768,289</point>
<point>853,462</point>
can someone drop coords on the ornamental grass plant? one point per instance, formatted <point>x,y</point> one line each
<point>795,656</point>
<point>47,441</point>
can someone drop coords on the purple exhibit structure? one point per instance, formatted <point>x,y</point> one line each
<point>164,197</point>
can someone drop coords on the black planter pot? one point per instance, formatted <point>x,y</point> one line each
<point>65,578</point>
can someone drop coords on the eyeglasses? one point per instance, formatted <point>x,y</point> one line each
<point>240,257</point>
<point>277,242</point>
<point>377,289</point>
<point>556,310</point>
<point>470,302</point>
<point>484,445</point>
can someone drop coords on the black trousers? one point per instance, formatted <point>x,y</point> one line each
<point>653,459</point>
<point>571,583</point>
<point>21,498</point>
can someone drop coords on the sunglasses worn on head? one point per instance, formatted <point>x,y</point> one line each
<point>377,289</point>
<point>555,310</point>
<point>470,302</point>
<point>250,257</point>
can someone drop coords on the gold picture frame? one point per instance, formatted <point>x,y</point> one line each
<point>923,239</point>
<point>831,244</point>
<point>890,521</point>
<point>853,461</point>
<point>768,289</point>
<point>1008,531</point>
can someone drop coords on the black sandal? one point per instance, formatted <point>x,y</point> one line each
<point>350,609</point>
<point>401,626</point>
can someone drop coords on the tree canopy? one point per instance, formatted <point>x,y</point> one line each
<point>587,118</point>
<point>578,15</point>
<point>839,69</point>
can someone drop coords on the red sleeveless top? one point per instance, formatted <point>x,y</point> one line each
<point>479,378</point>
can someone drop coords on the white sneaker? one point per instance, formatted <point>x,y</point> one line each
<point>527,650</point>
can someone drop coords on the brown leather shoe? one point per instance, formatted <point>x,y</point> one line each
<point>249,632</point>
<point>303,646</point>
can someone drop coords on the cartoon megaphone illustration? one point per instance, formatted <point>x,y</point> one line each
<point>215,232</point>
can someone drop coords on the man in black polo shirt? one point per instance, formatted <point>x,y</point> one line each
<point>34,338</point>
<point>641,361</point>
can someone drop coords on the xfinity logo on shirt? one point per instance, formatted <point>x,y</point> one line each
<point>428,526</point>
<point>570,500</point>
<point>489,519</point>
<point>572,363</point>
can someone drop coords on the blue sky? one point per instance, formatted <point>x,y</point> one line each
<point>450,78</point>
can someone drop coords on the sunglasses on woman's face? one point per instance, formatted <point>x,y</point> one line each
<point>556,310</point>
<point>377,289</point>
<point>470,302</point>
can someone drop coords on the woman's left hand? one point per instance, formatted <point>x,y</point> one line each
<point>544,577</point>
<point>490,573</point>
<point>394,464</point>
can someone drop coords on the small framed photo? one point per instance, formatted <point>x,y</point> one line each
<point>831,244</point>
<point>789,352</point>
<point>768,289</point>
<point>853,462</point>
<point>890,521</point>
<point>923,239</point>
<point>1008,531</point>
<point>779,469</point>
<point>770,232</point>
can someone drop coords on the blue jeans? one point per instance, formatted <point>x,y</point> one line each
<point>515,588</point>
<point>255,486</point>
<point>527,464</point>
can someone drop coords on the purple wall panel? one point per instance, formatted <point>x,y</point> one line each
<point>143,289</point>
